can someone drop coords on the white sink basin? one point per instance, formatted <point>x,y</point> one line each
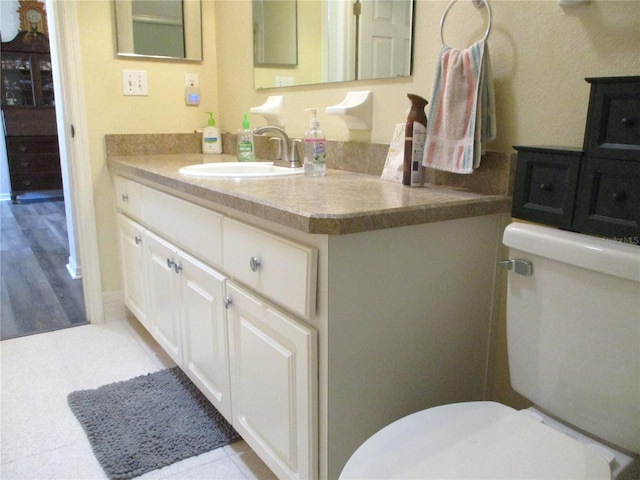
<point>238,169</point>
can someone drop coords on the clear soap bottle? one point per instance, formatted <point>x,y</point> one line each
<point>315,164</point>
<point>245,142</point>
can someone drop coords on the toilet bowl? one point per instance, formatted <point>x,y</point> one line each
<point>478,440</point>
<point>573,338</point>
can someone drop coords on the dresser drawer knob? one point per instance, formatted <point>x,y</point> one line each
<point>24,164</point>
<point>26,183</point>
<point>628,122</point>
<point>254,264</point>
<point>22,147</point>
<point>546,187</point>
<point>619,196</point>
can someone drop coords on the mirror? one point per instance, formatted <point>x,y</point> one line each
<point>275,30</point>
<point>335,40</point>
<point>170,29</point>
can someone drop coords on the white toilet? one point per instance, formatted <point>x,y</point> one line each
<point>573,328</point>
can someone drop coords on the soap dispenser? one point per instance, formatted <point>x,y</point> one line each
<point>314,148</point>
<point>245,142</point>
<point>211,139</point>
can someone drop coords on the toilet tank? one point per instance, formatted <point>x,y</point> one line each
<point>573,329</point>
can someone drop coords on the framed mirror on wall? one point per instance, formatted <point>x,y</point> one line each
<point>170,29</point>
<point>333,41</point>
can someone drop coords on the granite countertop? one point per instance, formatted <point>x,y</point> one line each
<point>341,202</point>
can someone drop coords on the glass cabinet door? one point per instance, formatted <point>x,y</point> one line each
<point>17,81</point>
<point>46,80</point>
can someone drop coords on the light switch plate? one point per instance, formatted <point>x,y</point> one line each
<point>134,82</point>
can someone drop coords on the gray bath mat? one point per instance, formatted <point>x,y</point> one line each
<point>149,422</point>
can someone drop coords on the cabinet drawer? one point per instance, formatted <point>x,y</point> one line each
<point>129,197</point>
<point>613,121</point>
<point>32,145</point>
<point>545,186</point>
<point>195,229</point>
<point>609,199</point>
<point>281,270</point>
<point>35,181</point>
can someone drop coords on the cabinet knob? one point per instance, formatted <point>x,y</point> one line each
<point>138,240</point>
<point>177,267</point>
<point>170,263</point>
<point>22,147</point>
<point>546,187</point>
<point>628,122</point>
<point>619,196</point>
<point>227,302</point>
<point>125,197</point>
<point>254,264</point>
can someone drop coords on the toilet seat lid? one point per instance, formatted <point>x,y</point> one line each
<point>473,440</point>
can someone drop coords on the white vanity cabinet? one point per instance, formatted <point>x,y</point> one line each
<point>274,374</point>
<point>254,360</point>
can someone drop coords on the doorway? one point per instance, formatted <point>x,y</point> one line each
<point>72,136</point>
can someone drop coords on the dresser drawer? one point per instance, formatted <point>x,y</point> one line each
<point>545,185</point>
<point>195,229</point>
<point>277,268</point>
<point>32,145</point>
<point>34,163</point>
<point>609,199</point>
<point>27,182</point>
<point>613,120</point>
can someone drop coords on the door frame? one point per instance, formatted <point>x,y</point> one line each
<point>74,147</point>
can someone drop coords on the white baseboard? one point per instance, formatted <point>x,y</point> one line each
<point>114,309</point>
<point>74,269</point>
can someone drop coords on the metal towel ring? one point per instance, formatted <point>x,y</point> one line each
<point>478,4</point>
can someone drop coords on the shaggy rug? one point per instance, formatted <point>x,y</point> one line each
<point>148,422</point>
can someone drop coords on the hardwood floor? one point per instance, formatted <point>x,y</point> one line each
<point>37,292</point>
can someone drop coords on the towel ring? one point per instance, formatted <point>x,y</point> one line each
<point>478,4</point>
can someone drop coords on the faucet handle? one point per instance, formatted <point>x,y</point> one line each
<point>295,155</point>
<point>279,141</point>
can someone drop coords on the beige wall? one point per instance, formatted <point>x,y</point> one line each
<point>540,54</point>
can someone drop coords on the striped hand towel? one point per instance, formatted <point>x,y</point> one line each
<point>462,109</point>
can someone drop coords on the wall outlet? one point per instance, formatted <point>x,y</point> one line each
<point>284,81</point>
<point>190,79</point>
<point>134,82</point>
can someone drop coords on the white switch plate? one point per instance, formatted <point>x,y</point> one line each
<point>134,82</point>
<point>190,79</point>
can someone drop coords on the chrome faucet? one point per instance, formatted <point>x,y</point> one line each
<point>289,151</point>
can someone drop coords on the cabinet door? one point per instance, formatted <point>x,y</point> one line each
<point>132,266</point>
<point>204,331</point>
<point>163,291</point>
<point>274,372</point>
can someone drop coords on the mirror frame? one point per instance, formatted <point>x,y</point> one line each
<point>192,18</point>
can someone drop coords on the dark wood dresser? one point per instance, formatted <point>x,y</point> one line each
<point>29,119</point>
<point>595,189</point>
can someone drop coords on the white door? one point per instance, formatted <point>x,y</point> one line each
<point>274,374</point>
<point>384,41</point>
<point>204,331</point>
<point>163,293</point>
<point>132,265</point>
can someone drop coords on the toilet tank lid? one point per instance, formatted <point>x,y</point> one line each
<point>593,253</point>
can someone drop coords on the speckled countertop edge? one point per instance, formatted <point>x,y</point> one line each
<point>339,203</point>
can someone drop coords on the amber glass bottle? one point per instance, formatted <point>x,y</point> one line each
<point>415,136</point>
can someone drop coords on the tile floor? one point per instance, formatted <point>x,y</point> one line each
<point>40,438</point>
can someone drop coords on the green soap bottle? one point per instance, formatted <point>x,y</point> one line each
<point>245,142</point>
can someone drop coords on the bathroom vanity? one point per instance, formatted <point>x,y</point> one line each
<point>311,311</point>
